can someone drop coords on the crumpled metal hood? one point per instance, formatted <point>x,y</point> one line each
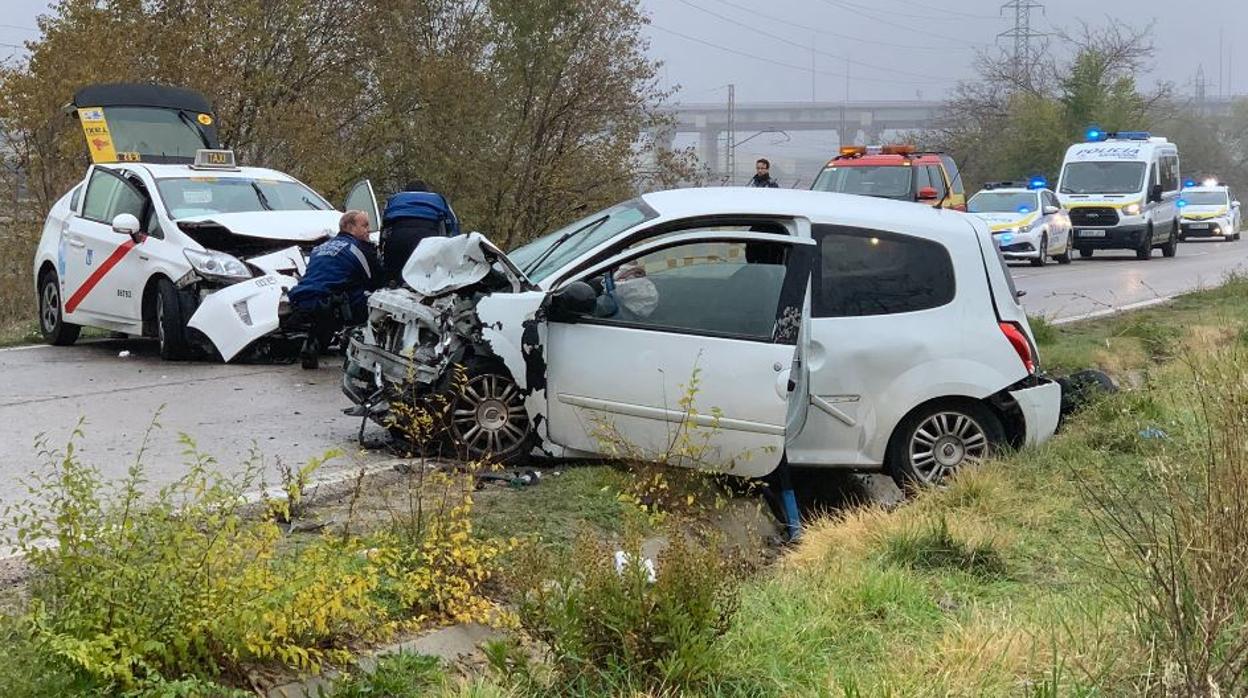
<point>296,226</point>
<point>442,265</point>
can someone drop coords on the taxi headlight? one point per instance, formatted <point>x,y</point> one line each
<point>1132,209</point>
<point>218,265</point>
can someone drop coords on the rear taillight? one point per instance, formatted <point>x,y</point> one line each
<point>1018,339</point>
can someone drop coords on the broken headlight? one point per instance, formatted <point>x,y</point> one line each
<point>218,266</point>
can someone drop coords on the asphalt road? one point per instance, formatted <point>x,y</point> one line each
<point>292,414</point>
<point>1115,280</point>
<point>281,410</point>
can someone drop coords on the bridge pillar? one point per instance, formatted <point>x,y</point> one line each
<point>708,148</point>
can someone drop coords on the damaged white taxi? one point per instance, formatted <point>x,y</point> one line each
<point>827,330</point>
<point>166,236</point>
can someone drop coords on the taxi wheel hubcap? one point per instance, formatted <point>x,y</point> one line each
<point>51,306</point>
<point>488,416</point>
<point>944,442</point>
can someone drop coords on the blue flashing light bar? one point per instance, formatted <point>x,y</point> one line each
<point>1181,203</point>
<point>1132,135</point>
<point>1094,133</point>
<point>1189,183</point>
<point>1037,182</point>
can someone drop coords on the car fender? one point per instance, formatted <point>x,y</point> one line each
<point>959,378</point>
<point>238,315</point>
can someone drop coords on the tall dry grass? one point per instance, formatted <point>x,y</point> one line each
<point>17,297</point>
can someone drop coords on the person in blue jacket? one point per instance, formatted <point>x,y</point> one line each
<point>333,292</point>
<point>411,216</point>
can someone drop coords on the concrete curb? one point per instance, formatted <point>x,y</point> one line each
<point>1106,312</point>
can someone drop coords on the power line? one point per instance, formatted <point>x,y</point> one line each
<point>893,23</point>
<point>846,37</point>
<point>837,56</point>
<point>950,14</point>
<point>772,61</point>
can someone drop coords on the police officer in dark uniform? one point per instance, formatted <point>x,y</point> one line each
<point>411,216</point>
<point>333,292</point>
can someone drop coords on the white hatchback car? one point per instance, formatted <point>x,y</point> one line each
<point>829,330</point>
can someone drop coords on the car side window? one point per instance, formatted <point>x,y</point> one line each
<point>951,169</point>
<point>1170,173</point>
<point>74,198</point>
<point>1050,199</point>
<point>938,180</point>
<point>108,195</point>
<point>719,288</point>
<point>864,272</point>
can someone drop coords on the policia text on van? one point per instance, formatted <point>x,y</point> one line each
<point>1122,190</point>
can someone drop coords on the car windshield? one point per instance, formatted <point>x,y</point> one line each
<point>202,196</point>
<point>1103,178</point>
<point>615,220</point>
<point>1002,202</point>
<point>1205,198</point>
<point>154,132</point>
<point>888,181</point>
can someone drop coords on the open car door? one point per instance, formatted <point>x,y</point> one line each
<point>362,198</point>
<point>686,357</point>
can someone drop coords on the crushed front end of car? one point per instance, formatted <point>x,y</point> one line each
<point>463,304</point>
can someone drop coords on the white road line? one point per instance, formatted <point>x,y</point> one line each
<point>1113,311</point>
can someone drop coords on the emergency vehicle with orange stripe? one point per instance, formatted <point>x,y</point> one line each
<point>894,172</point>
<point>166,236</point>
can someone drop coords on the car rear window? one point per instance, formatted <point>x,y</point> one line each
<point>870,272</point>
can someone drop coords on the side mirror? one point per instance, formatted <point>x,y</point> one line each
<point>927,194</point>
<point>127,224</point>
<point>1154,193</point>
<point>576,299</point>
<point>1050,210</point>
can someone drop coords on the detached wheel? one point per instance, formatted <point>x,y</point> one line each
<point>1171,246</point>
<point>487,418</point>
<point>933,443</point>
<point>170,325</point>
<point>51,317</point>
<point>1042,257</point>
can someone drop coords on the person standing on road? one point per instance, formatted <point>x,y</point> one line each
<point>411,216</point>
<point>333,292</point>
<point>762,175</point>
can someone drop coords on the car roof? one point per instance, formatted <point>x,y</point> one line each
<point>885,160</point>
<point>1219,189</point>
<point>820,207</point>
<point>164,171</point>
<point>1010,190</point>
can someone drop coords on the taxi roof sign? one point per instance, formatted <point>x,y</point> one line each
<point>206,159</point>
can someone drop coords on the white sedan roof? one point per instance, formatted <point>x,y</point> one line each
<point>167,171</point>
<point>818,206</point>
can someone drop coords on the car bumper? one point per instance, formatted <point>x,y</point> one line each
<point>1212,227</point>
<point>1019,245</point>
<point>1041,406</point>
<point>1119,237</point>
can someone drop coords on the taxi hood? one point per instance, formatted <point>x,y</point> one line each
<point>1005,219</point>
<point>289,226</point>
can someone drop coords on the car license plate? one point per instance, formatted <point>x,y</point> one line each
<point>1091,233</point>
<point>1198,226</point>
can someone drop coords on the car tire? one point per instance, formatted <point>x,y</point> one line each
<point>51,314</point>
<point>486,419</point>
<point>1171,246</point>
<point>170,325</point>
<point>1042,257</point>
<point>1065,256</point>
<point>1085,252</point>
<point>1145,250</point>
<point>934,441</point>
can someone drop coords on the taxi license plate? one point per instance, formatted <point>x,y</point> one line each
<point>1091,233</point>
<point>1198,226</point>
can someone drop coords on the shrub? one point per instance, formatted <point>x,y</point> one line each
<point>601,626</point>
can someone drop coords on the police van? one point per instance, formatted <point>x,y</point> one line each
<point>1122,191</point>
<point>166,236</point>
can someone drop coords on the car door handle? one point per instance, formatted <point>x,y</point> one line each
<point>75,242</point>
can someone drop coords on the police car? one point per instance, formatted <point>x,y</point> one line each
<point>166,236</point>
<point>1208,211</point>
<point>1027,221</point>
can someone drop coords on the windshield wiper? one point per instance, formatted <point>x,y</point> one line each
<point>186,119</point>
<point>590,226</point>
<point>311,203</point>
<point>264,200</point>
